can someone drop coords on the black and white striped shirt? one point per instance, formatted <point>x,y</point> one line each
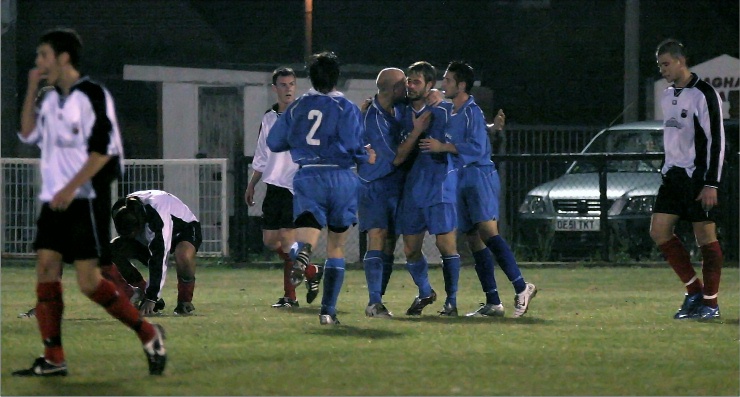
<point>68,129</point>
<point>694,136</point>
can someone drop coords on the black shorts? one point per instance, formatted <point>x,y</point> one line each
<point>189,232</point>
<point>677,196</point>
<point>277,208</point>
<point>76,233</point>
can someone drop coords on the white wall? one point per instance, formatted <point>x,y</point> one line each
<point>180,100</point>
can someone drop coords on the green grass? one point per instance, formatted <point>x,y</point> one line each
<point>590,331</point>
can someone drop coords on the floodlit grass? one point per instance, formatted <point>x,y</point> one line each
<point>590,331</point>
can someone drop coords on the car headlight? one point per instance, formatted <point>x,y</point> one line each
<point>532,205</point>
<point>633,206</point>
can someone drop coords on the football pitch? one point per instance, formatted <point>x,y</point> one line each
<point>589,331</point>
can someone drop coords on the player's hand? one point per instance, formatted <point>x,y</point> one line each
<point>249,196</point>
<point>366,105</point>
<point>62,199</point>
<point>147,307</point>
<point>371,155</point>
<point>498,122</point>
<point>430,145</point>
<point>708,198</point>
<point>35,76</point>
<point>421,123</point>
<point>434,97</point>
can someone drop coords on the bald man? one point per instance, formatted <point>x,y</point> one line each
<point>382,183</point>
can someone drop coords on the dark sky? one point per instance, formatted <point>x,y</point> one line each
<point>558,64</point>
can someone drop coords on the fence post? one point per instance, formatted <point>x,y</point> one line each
<point>604,204</point>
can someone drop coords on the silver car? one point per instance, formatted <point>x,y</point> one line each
<point>560,219</point>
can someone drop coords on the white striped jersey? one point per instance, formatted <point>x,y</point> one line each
<point>68,128</point>
<point>277,168</point>
<point>694,136</point>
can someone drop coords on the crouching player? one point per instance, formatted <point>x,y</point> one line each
<point>152,224</point>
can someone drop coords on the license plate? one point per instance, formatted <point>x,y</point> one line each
<point>577,225</point>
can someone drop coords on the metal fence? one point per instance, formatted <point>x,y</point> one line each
<point>526,157</point>
<point>199,183</point>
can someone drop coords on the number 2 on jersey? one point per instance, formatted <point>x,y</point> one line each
<point>317,115</point>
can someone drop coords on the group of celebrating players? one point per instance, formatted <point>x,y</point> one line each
<point>423,165</point>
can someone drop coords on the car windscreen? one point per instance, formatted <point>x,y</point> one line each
<point>623,141</point>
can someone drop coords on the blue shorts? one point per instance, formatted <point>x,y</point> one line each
<point>436,219</point>
<point>379,201</point>
<point>328,193</point>
<point>477,196</point>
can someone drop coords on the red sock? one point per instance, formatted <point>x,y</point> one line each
<point>311,271</point>
<point>711,270</point>
<point>49,309</point>
<point>111,273</point>
<point>679,259</point>
<point>185,290</point>
<point>107,296</point>
<point>282,255</point>
<point>287,285</point>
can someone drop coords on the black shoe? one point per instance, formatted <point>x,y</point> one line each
<point>155,353</point>
<point>184,308</point>
<point>420,303</point>
<point>29,314</point>
<point>312,285</point>
<point>41,367</point>
<point>448,310</point>
<point>285,302</point>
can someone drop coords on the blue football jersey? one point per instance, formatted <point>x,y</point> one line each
<point>320,129</point>
<point>433,177</point>
<point>466,129</point>
<point>383,134</point>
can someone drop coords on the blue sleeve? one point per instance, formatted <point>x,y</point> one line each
<point>351,136</point>
<point>277,140</point>
<point>382,145</point>
<point>470,139</point>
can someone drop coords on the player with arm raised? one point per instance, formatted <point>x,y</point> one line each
<point>77,130</point>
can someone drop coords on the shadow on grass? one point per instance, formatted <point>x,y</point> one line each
<point>357,332</point>
<point>473,320</point>
<point>82,387</point>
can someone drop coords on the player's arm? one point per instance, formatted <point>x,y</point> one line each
<point>470,143</point>
<point>28,112</point>
<point>95,162</point>
<point>421,123</point>
<point>159,247</point>
<point>249,193</point>
<point>352,134</point>
<point>710,119</point>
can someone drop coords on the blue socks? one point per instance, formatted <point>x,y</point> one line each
<point>484,268</point>
<point>451,273</point>
<point>506,260</point>
<point>374,274</point>
<point>419,272</point>
<point>387,270</point>
<point>333,279</point>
